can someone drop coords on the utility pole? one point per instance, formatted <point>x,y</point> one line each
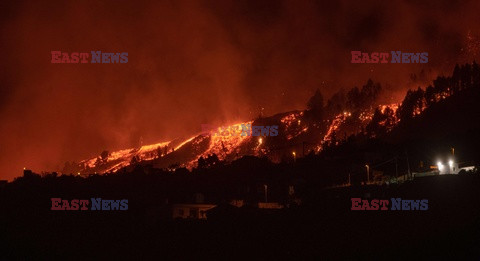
<point>396,167</point>
<point>408,165</point>
<point>266,191</point>
<point>368,173</point>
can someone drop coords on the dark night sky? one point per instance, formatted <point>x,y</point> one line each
<point>198,62</point>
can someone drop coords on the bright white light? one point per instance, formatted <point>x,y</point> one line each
<point>440,165</point>
<point>450,163</point>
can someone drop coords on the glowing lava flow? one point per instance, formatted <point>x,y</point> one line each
<point>225,141</point>
<point>336,123</point>
<point>183,143</point>
<point>293,126</point>
<point>122,158</point>
<point>364,117</point>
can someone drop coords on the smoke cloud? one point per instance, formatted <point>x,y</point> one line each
<point>199,62</point>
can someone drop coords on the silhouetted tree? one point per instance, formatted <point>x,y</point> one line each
<point>412,104</point>
<point>465,76</point>
<point>390,120</point>
<point>333,140</point>
<point>67,168</point>
<point>134,160</point>
<point>104,155</point>
<point>208,162</point>
<point>201,163</point>
<point>369,94</point>
<point>441,85</point>
<point>475,75</point>
<point>212,160</point>
<point>98,162</point>
<point>159,152</point>
<point>315,105</point>
<point>336,104</point>
<point>381,122</point>
<point>353,99</point>
<point>374,126</point>
<point>456,78</point>
<point>430,96</point>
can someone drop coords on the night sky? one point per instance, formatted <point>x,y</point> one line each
<point>199,62</point>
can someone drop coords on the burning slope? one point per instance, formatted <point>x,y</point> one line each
<point>228,144</point>
<point>122,158</point>
<point>335,125</point>
<point>293,125</point>
<point>346,123</point>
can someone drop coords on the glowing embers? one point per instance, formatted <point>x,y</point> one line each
<point>473,44</point>
<point>293,125</point>
<point>291,118</point>
<point>393,107</point>
<point>365,116</point>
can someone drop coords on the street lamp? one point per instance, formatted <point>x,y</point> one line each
<point>440,166</point>
<point>266,190</point>
<point>294,156</point>
<point>368,173</point>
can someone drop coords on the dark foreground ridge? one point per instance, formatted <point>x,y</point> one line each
<point>323,226</point>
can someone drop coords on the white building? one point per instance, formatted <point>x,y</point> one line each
<point>449,167</point>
